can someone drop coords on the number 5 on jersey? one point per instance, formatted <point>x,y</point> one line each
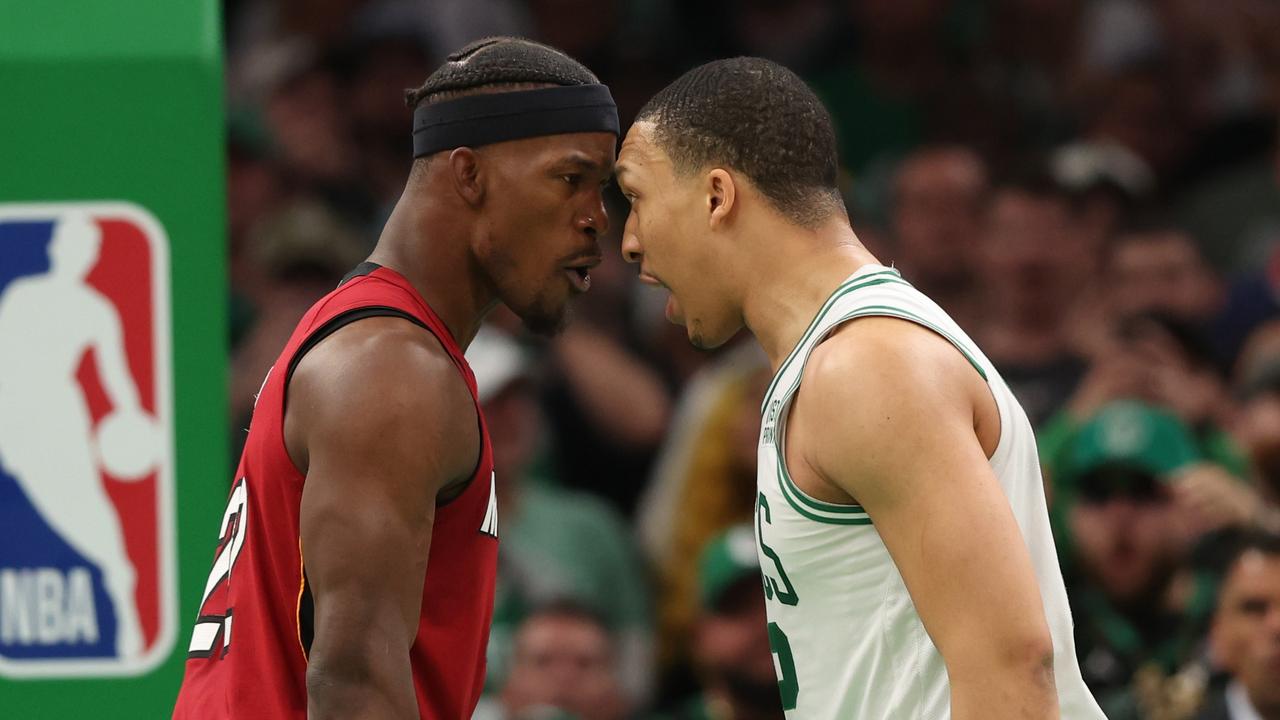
<point>778,585</point>
<point>211,623</point>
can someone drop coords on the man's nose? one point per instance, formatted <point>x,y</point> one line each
<point>631,251</point>
<point>595,221</point>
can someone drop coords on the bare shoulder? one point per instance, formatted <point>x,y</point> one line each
<point>891,360</point>
<point>879,396</point>
<point>382,384</point>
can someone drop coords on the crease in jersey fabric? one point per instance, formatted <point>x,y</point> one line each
<point>855,282</point>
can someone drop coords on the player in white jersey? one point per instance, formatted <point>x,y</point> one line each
<point>908,565</point>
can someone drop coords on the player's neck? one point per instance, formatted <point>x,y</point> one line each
<point>429,247</point>
<point>797,271</point>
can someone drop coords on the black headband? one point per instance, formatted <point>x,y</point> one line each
<point>485,119</point>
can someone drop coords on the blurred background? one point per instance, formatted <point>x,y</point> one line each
<point>1090,187</point>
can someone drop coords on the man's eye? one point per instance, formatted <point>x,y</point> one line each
<point>572,179</point>
<point>1254,606</point>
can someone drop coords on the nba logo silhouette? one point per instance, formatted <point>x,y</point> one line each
<point>87,578</point>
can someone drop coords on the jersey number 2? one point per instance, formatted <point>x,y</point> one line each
<point>209,625</point>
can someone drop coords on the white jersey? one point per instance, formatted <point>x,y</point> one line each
<point>846,638</point>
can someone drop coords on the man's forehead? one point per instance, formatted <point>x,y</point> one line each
<point>1254,562</point>
<point>643,134</point>
<point>592,148</point>
<point>639,149</point>
<point>1254,571</point>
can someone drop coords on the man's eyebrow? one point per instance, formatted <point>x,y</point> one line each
<point>582,161</point>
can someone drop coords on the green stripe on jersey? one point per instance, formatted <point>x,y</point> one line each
<point>890,311</point>
<point>805,499</point>
<point>860,518</point>
<point>844,289</point>
<point>811,507</point>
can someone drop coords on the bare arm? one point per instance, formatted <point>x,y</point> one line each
<point>381,421</point>
<point>887,416</point>
<point>635,411</point>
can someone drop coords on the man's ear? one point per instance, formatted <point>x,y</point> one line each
<point>465,172</point>
<point>722,194</point>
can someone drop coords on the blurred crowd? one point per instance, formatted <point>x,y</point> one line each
<point>1090,187</point>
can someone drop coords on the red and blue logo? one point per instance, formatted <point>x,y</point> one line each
<point>87,580</point>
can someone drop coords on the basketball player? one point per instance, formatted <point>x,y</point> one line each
<point>355,571</point>
<point>908,565</point>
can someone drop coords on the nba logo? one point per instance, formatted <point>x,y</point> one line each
<point>87,579</point>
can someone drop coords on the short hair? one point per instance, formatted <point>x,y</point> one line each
<point>1033,176</point>
<point>1266,543</point>
<point>570,609</point>
<point>1144,223</point>
<point>1259,541</point>
<point>563,608</point>
<point>935,153</point>
<point>759,118</point>
<point>498,63</point>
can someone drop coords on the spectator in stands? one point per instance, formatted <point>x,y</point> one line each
<point>564,666</point>
<point>1106,181</point>
<point>1031,267</point>
<point>1257,425</point>
<point>255,189</point>
<point>939,196</point>
<point>1165,362</point>
<point>1155,267</point>
<point>1245,639</point>
<point>1131,496</point>
<point>304,112</point>
<point>730,640</point>
<point>383,64</point>
<point>556,543</point>
<point>300,251</point>
<point>710,484</point>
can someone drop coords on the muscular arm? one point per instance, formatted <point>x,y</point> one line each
<point>886,415</point>
<point>380,420</point>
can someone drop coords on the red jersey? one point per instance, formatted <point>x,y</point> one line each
<point>248,651</point>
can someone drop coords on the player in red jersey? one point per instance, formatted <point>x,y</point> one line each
<point>355,568</point>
